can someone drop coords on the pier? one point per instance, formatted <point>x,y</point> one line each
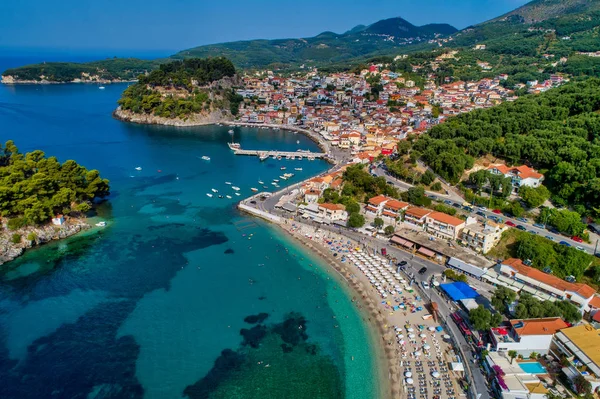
<point>264,154</point>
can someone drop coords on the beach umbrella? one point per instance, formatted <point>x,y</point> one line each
<point>417,353</point>
<point>422,335</point>
<point>409,381</point>
<point>426,347</point>
<point>408,374</point>
<point>411,336</point>
<point>446,336</point>
<point>398,329</point>
<point>400,336</point>
<point>435,374</point>
<point>410,329</point>
<point>431,328</point>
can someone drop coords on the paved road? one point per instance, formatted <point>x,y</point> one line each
<point>456,199</point>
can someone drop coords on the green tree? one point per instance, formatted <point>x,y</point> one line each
<point>427,178</point>
<point>437,186</point>
<point>480,318</point>
<point>356,220</point>
<point>15,238</point>
<point>389,230</point>
<point>503,297</point>
<point>581,385</point>
<point>512,354</point>
<point>378,223</point>
<point>534,197</point>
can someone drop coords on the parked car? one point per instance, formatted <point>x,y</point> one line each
<point>579,247</point>
<point>576,239</point>
<point>522,220</point>
<point>566,244</point>
<point>425,284</point>
<point>456,205</point>
<point>482,208</point>
<point>521,227</point>
<point>422,270</point>
<point>434,198</point>
<point>539,225</point>
<point>550,238</point>
<point>592,228</point>
<point>533,232</point>
<point>497,211</point>
<point>402,263</point>
<point>447,202</point>
<point>509,223</point>
<point>554,231</point>
<point>468,208</point>
<point>480,213</point>
<point>492,217</point>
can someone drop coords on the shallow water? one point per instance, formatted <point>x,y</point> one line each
<point>147,305</point>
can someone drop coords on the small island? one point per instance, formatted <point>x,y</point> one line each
<point>41,199</point>
<point>111,70</point>
<point>183,93</point>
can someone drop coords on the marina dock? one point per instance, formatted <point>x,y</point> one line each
<point>264,154</point>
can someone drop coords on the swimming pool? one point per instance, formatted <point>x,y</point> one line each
<point>532,368</point>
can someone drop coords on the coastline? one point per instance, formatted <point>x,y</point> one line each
<point>366,304</point>
<point>9,251</point>
<point>8,80</point>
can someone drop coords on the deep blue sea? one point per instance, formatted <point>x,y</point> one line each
<point>180,295</point>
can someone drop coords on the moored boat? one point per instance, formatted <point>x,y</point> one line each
<point>236,188</point>
<point>214,190</point>
<point>206,157</point>
<point>298,169</point>
<point>254,189</point>
<point>209,195</point>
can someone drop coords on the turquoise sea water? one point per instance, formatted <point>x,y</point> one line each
<point>156,304</point>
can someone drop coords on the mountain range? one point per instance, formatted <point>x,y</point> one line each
<point>560,27</point>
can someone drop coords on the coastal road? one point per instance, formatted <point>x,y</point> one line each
<point>482,213</point>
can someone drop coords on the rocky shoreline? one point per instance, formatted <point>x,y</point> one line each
<point>194,120</point>
<point>28,237</point>
<point>10,80</point>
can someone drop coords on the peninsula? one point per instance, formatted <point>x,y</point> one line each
<point>183,93</point>
<point>41,199</point>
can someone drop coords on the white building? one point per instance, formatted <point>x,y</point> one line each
<point>519,175</point>
<point>482,237</point>
<point>526,336</point>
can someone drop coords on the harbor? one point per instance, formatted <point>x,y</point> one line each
<point>265,154</point>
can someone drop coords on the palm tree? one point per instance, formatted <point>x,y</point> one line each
<point>512,354</point>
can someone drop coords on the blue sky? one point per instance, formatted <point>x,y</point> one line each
<point>142,25</point>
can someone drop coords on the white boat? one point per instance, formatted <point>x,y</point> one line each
<point>288,175</point>
<point>261,182</point>
<point>102,87</point>
<point>263,157</point>
<point>101,224</point>
<point>299,169</point>
<point>228,183</point>
<point>205,157</point>
<point>275,184</point>
<point>138,168</point>
<point>214,190</point>
<point>276,181</point>
<point>254,189</point>
<point>230,131</point>
<point>282,168</point>
<point>236,188</point>
<point>234,146</point>
<point>274,157</point>
<point>297,141</point>
<point>228,196</point>
<point>209,195</point>
<point>283,177</point>
<point>300,157</point>
<point>238,194</point>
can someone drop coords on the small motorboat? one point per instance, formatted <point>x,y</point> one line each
<point>102,87</point>
<point>254,189</point>
<point>279,158</point>
<point>230,131</point>
<point>238,194</point>
<point>228,183</point>
<point>261,182</point>
<point>209,195</point>
<point>236,188</point>
<point>228,196</point>
<point>276,180</point>
<point>282,168</point>
<point>101,224</point>
<point>205,158</point>
<point>298,169</point>
<point>297,141</point>
<point>265,187</point>
<point>283,177</point>
<point>214,190</point>
<point>274,183</point>
<point>138,168</point>
<point>220,196</point>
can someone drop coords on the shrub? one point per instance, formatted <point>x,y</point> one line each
<point>16,238</point>
<point>16,223</point>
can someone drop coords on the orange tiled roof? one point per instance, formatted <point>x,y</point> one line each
<point>522,171</point>
<point>390,214</point>
<point>417,212</point>
<point>595,302</point>
<point>376,201</point>
<point>583,290</point>
<point>544,326</point>
<point>332,207</point>
<point>445,218</point>
<point>396,205</point>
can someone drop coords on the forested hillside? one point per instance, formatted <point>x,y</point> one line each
<point>33,187</point>
<point>557,131</point>
<point>181,88</point>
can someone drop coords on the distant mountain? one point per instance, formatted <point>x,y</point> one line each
<point>383,37</point>
<point>401,28</point>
